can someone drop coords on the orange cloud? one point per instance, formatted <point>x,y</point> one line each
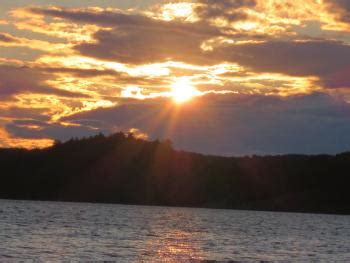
<point>8,141</point>
<point>100,58</point>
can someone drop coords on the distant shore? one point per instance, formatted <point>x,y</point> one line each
<point>122,169</point>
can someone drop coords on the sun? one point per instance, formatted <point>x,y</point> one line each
<point>172,11</point>
<point>183,90</point>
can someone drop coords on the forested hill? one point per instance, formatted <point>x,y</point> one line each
<point>123,169</point>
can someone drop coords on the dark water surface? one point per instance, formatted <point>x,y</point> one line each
<point>77,231</point>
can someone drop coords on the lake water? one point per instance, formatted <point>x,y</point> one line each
<point>75,231</point>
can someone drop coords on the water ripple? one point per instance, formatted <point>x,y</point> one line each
<point>49,231</point>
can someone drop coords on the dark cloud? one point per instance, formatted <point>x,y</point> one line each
<point>105,18</point>
<point>120,78</point>
<point>83,73</point>
<point>341,8</point>
<point>324,59</point>
<point>226,9</point>
<point>16,80</point>
<point>137,39</point>
<point>23,129</point>
<point>339,79</point>
<point>236,124</point>
<point>25,113</point>
<point>292,58</point>
<point>146,45</point>
<point>8,38</point>
<point>115,19</point>
<point>226,4</point>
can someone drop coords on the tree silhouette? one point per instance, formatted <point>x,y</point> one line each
<point>123,169</point>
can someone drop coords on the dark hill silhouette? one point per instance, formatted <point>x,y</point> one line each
<point>122,169</point>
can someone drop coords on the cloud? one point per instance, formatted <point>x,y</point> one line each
<point>28,112</point>
<point>341,8</point>
<point>134,38</point>
<point>109,78</point>
<point>6,140</point>
<point>83,73</point>
<point>16,80</point>
<point>324,59</point>
<point>7,38</point>
<point>224,9</point>
<point>244,46</point>
<point>235,124</point>
<point>145,45</point>
<point>93,16</point>
<point>34,129</point>
<point>138,39</point>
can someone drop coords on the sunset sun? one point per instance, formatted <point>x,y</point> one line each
<point>183,90</point>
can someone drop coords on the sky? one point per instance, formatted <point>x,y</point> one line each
<point>223,77</point>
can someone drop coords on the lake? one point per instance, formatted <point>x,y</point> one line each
<point>81,231</point>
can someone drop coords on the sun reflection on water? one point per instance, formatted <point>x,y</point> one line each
<point>177,243</point>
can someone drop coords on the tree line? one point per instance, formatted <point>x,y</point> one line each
<point>123,169</point>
